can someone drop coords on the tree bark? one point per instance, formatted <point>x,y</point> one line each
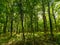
<point>50,20</point>
<point>44,18</point>
<point>22,16</point>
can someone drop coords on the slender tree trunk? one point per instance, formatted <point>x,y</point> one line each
<point>44,18</point>
<point>31,16</point>
<point>17,31</point>
<point>0,28</point>
<point>12,15</point>
<point>31,20</point>
<point>51,29</point>
<point>5,24</point>
<point>37,23</point>
<point>54,16</point>
<point>11,25</point>
<point>22,16</point>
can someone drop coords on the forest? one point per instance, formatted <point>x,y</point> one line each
<point>29,22</point>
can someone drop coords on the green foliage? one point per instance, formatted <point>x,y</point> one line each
<point>30,16</point>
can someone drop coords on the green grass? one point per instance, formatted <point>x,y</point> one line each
<point>39,38</point>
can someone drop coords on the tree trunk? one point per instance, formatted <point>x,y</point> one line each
<point>11,25</point>
<point>51,29</point>
<point>22,16</point>
<point>44,18</point>
<point>54,16</point>
<point>5,24</point>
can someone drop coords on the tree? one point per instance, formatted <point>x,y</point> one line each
<point>50,20</point>
<point>22,17</point>
<point>44,17</point>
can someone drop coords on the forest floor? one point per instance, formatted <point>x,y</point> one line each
<point>39,39</point>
